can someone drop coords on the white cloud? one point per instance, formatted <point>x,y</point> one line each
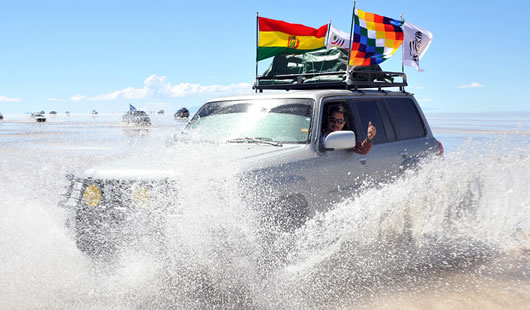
<point>185,89</point>
<point>7,99</point>
<point>157,86</point>
<point>425,100</point>
<point>78,97</point>
<point>53,99</point>
<point>472,85</point>
<point>128,93</point>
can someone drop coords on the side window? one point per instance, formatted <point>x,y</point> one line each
<point>405,118</point>
<point>349,125</point>
<point>367,111</point>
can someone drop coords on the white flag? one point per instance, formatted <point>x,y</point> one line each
<point>338,38</point>
<point>416,41</point>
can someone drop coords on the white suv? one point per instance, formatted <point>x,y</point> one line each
<point>284,166</point>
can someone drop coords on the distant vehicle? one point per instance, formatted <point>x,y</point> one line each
<point>182,113</point>
<point>52,113</point>
<point>161,112</point>
<point>94,112</point>
<point>137,117</point>
<point>1,116</point>
<point>67,113</point>
<point>39,117</point>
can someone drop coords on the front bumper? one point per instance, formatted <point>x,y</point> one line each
<point>118,212</point>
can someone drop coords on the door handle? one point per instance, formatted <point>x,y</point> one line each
<point>404,154</point>
<point>362,160</point>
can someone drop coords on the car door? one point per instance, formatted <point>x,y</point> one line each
<point>337,173</point>
<point>376,162</point>
<point>411,135</point>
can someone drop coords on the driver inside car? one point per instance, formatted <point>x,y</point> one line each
<point>337,121</point>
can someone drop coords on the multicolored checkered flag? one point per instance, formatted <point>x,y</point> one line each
<point>375,38</point>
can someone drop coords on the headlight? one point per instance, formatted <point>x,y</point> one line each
<point>141,196</point>
<point>92,195</point>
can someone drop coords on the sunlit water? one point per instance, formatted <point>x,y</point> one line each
<point>453,235</point>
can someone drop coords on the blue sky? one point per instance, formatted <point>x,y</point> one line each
<point>103,55</point>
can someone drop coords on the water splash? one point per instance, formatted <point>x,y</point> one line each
<point>447,216</point>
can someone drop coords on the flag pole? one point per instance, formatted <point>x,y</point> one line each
<point>257,47</point>
<point>327,34</point>
<point>402,49</point>
<point>351,33</point>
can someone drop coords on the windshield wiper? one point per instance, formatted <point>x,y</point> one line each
<point>255,140</point>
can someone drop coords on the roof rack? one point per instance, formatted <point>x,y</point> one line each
<point>354,79</point>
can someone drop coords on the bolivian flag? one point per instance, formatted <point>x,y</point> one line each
<point>278,37</point>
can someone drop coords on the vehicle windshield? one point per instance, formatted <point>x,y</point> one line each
<point>277,120</point>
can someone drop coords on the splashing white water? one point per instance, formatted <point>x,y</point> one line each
<point>445,216</point>
<point>448,214</point>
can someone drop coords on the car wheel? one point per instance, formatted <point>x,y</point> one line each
<point>409,164</point>
<point>280,219</point>
<point>289,212</point>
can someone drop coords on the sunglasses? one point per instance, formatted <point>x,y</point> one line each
<point>336,120</point>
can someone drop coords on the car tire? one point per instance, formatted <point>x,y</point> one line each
<point>289,212</point>
<point>409,164</point>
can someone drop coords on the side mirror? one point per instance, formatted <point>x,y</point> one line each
<point>340,140</point>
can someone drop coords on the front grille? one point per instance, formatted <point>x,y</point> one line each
<point>123,195</point>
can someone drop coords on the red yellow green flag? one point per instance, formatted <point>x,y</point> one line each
<point>278,37</point>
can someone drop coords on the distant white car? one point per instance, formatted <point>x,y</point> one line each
<point>39,117</point>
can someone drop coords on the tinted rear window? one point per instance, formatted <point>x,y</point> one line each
<point>405,118</point>
<point>368,112</point>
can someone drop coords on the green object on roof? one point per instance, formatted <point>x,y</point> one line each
<point>315,67</point>
<point>331,60</point>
